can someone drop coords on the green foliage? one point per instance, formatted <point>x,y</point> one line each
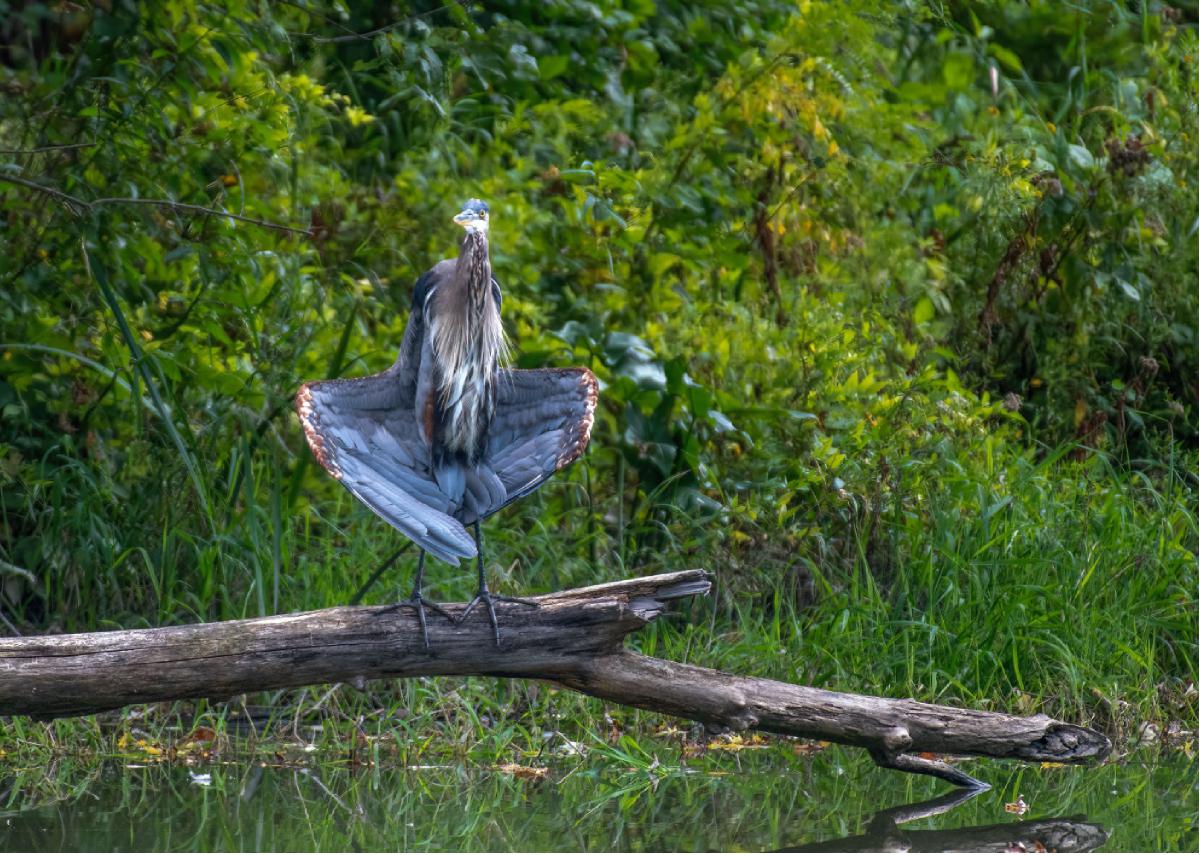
<point>847,272</point>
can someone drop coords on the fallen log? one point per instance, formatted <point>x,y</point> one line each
<point>574,638</point>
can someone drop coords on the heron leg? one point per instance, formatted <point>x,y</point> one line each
<point>418,603</point>
<point>483,595</point>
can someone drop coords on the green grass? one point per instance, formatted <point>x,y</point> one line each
<point>1057,589</point>
<point>1055,586</point>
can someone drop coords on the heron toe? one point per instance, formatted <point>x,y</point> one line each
<point>489,599</point>
<point>419,604</point>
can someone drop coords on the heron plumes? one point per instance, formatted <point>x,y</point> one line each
<point>468,345</point>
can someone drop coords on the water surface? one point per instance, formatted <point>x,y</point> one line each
<point>757,800</point>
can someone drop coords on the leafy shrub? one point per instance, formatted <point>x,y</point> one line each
<point>827,259</point>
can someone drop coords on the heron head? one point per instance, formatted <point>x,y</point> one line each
<point>474,216</point>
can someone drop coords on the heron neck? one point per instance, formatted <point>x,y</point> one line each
<point>474,265</point>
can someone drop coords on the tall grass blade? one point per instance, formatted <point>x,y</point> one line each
<point>96,270</point>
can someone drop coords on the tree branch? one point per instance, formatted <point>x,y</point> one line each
<point>352,36</point>
<point>78,206</point>
<point>45,148</point>
<point>575,638</point>
<point>74,204</point>
<point>200,209</point>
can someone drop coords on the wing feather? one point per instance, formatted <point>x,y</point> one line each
<point>543,422</point>
<point>364,432</point>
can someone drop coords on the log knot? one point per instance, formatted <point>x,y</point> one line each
<point>742,720</point>
<point>739,712</point>
<point>896,739</point>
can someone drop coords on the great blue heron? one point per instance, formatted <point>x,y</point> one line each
<point>446,437</point>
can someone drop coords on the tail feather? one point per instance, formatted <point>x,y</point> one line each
<point>451,479</point>
<point>485,492</point>
<point>436,533</point>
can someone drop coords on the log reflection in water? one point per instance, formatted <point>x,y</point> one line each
<point>883,834</point>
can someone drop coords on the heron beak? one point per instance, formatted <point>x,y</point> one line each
<point>464,218</point>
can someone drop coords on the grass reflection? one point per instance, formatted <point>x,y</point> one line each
<point>757,800</point>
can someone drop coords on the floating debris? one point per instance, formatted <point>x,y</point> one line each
<point>735,742</point>
<point>567,747</point>
<point>1018,807</point>
<point>806,749</point>
<point>527,772</point>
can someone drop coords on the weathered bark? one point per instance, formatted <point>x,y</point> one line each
<point>573,637</point>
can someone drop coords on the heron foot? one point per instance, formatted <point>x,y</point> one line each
<point>489,599</point>
<point>419,604</point>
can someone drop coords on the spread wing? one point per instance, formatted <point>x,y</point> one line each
<point>542,423</point>
<point>364,432</point>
